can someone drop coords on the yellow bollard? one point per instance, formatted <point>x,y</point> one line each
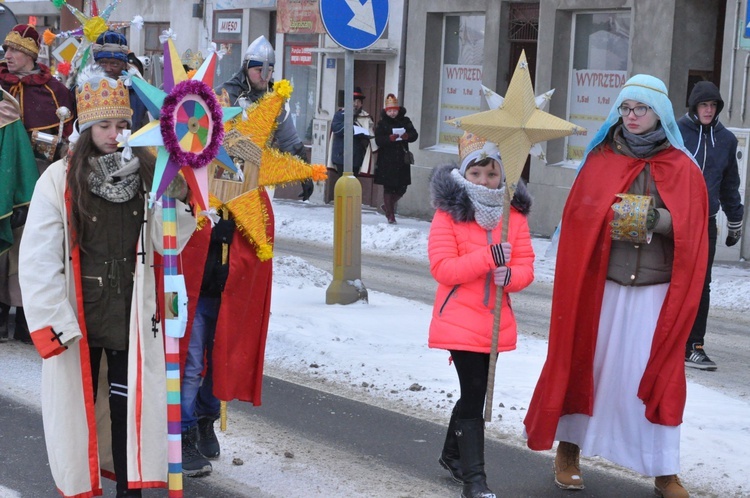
<point>347,286</point>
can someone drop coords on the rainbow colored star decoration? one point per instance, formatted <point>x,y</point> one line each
<point>188,130</point>
<point>188,133</point>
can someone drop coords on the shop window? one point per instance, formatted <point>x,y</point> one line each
<point>599,64</point>
<point>300,68</point>
<point>227,34</point>
<point>151,33</point>
<point>461,75</point>
<point>153,50</point>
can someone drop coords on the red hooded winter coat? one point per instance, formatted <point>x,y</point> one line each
<point>461,262</point>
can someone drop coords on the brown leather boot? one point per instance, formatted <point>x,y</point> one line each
<point>567,466</point>
<point>670,487</point>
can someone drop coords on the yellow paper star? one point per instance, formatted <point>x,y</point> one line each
<point>264,166</point>
<point>517,124</point>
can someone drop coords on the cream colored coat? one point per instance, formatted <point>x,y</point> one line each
<point>77,433</point>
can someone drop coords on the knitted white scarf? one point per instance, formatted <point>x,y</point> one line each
<point>488,203</point>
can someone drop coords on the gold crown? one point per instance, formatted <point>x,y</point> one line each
<point>99,100</point>
<point>469,143</point>
<point>391,102</point>
<point>26,45</point>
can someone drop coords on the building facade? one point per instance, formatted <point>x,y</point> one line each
<point>584,50</point>
<point>436,55</point>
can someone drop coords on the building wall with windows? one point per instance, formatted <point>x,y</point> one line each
<point>452,48</point>
<point>587,50</point>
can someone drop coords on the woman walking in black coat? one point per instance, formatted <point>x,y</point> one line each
<point>393,134</point>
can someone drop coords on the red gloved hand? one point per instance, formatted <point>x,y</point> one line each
<point>405,136</point>
<point>393,137</point>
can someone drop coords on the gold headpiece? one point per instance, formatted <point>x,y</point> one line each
<point>391,102</point>
<point>24,39</point>
<point>100,99</point>
<point>474,148</point>
<point>469,143</point>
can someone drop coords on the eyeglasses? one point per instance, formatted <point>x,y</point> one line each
<point>639,111</point>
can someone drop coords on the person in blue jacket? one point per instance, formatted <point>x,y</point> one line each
<point>715,149</point>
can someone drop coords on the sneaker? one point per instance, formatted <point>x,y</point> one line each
<point>208,445</point>
<point>193,463</point>
<point>696,357</point>
<point>669,487</point>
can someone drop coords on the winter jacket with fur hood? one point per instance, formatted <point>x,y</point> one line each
<point>715,149</point>
<point>462,264</point>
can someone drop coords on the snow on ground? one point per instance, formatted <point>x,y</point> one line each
<point>379,350</point>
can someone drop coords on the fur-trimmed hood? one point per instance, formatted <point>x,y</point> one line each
<point>449,196</point>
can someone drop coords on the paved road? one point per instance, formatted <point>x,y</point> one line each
<point>360,450</point>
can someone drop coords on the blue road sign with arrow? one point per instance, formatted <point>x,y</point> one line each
<point>354,24</point>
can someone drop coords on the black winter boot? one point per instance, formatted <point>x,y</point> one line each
<point>470,434</point>
<point>21,332</point>
<point>4,310</point>
<point>450,458</point>
<point>193,463</point>
<point>208,445</point>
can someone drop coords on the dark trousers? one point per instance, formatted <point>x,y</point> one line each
<point>472,369</point>
<point>698,331</point>
<point>333,177</point>
<point>117,378</point>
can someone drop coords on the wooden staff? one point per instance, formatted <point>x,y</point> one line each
<point>224,261</point>
<point>498,310</point>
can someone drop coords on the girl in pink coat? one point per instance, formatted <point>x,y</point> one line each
<point>470,264</point>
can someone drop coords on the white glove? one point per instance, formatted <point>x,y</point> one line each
<point>502,276</point>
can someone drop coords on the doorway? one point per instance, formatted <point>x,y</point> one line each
<point>370,77</point>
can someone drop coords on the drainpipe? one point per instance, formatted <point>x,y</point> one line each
<point>402,53</point>
<point>744,87</point>
<point>321,61</point>
<point>734,55</point>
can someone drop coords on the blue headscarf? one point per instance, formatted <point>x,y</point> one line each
<point>649,90</point>
<point>643,88</point>
<point>111,45</point>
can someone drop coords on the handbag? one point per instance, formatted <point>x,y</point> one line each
<point>408,157</point>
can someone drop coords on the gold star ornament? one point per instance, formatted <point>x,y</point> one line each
<point>517,124</point>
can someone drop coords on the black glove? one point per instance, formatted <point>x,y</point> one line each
<point>733,236</point>
<point>18,217</point>
<point>223,231</point>
<point>307,189</point>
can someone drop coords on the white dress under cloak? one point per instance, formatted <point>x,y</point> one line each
<point>618,430</point>
<point>76,454</point>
